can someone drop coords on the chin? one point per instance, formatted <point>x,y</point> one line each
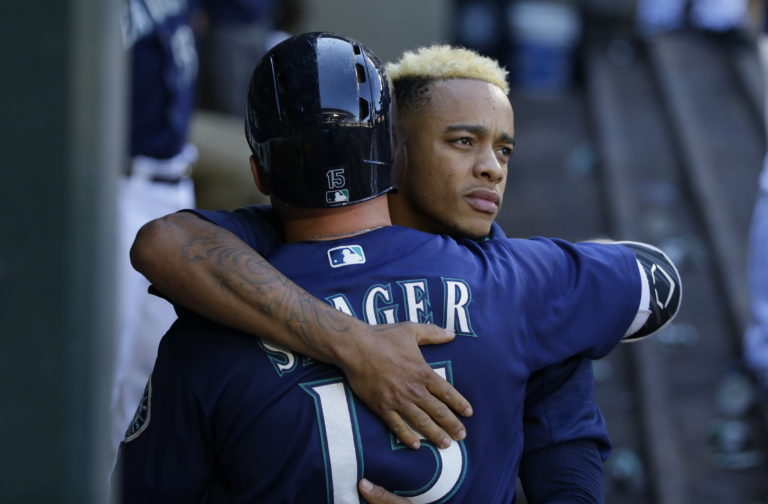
<point>475,231</point>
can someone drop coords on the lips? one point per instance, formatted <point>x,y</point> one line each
<point>484,200</point>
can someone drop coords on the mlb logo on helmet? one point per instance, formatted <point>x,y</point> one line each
<point>346,255</point>
<point>338,196</point>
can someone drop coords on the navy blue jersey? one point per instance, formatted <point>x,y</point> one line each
<point>239,422</point>
<point>560,401</point>
<point>163,62</point>
<point>256,225</point>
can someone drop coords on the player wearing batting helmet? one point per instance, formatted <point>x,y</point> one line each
<point>224,419</point>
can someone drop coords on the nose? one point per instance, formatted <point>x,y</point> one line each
<point>489,167</point>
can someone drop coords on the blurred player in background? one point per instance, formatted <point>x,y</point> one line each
<point>237,32</point>
<point>163,60</point>
<point>715,16</point>
<point>756,337</point>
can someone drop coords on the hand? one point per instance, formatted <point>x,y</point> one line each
<point>388,373</point>
<point>375,494</point>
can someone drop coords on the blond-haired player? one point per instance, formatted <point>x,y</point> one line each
<point>458,134</point>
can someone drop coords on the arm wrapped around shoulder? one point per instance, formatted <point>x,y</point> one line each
<point>662,290</point>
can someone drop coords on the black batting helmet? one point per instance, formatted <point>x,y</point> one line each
<point>319,122</point>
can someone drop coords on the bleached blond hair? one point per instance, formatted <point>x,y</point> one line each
<point>413,74</point>
<point>446,62</point>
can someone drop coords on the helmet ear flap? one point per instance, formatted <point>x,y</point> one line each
<point>319,122</point>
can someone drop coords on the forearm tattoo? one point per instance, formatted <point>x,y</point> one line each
<point>243,273</point>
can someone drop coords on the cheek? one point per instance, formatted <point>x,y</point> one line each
<point>502,188</point>
<point>426,173</point>
<point>446,196</point>
<point>432,194</point>
<point>435,181</point>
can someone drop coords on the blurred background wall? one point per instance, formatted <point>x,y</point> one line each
<point>386,27</point>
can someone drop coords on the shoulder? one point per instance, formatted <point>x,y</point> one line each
<point>251,214</point>
<point>197,346</point>
<point>256,225</point>
<point>552,252</point>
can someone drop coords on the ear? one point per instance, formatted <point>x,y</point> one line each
<point>258,177</point>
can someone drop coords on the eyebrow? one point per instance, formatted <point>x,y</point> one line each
<point>478,130</point>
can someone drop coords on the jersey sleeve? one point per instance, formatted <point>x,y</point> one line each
<point>256,225</point>
<point>579,477</point>
<point>560,407</point>
<point>580,299</point>
<point>166,455</point>
<point>564,434</point>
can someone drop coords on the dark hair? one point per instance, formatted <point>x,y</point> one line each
<point>412,94</point>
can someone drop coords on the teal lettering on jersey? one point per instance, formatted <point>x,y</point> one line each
<point>456,300</point>
<point>282,359</point>
<point>417,300</point>
<point>379,306</point>
<point>341,303</point>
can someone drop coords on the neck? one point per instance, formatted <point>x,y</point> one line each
<point>302,224</point>
<point>403,214</point>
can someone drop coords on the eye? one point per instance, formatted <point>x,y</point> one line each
<point>504,152</point>
<point>462,141</point>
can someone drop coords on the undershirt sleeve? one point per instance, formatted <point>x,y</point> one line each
<point>579,481</point>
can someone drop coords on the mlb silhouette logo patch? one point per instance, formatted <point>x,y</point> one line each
<point>346,255</point>
<point>338,196</point>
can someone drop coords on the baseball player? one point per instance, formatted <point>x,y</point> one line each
<point>163,61</point>
<point>223,419</point>
<point>565,436</point>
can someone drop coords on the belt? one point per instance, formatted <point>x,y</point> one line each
<point>168,179</point>
<point>165,171</point>
<point>158,176</point>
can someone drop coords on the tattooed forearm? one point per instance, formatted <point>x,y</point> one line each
<point>248,277</point>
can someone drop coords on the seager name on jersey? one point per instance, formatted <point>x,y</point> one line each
<point>389,303</point>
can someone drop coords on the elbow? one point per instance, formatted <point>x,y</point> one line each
<point>147,246</point>
<point>139,253</point>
